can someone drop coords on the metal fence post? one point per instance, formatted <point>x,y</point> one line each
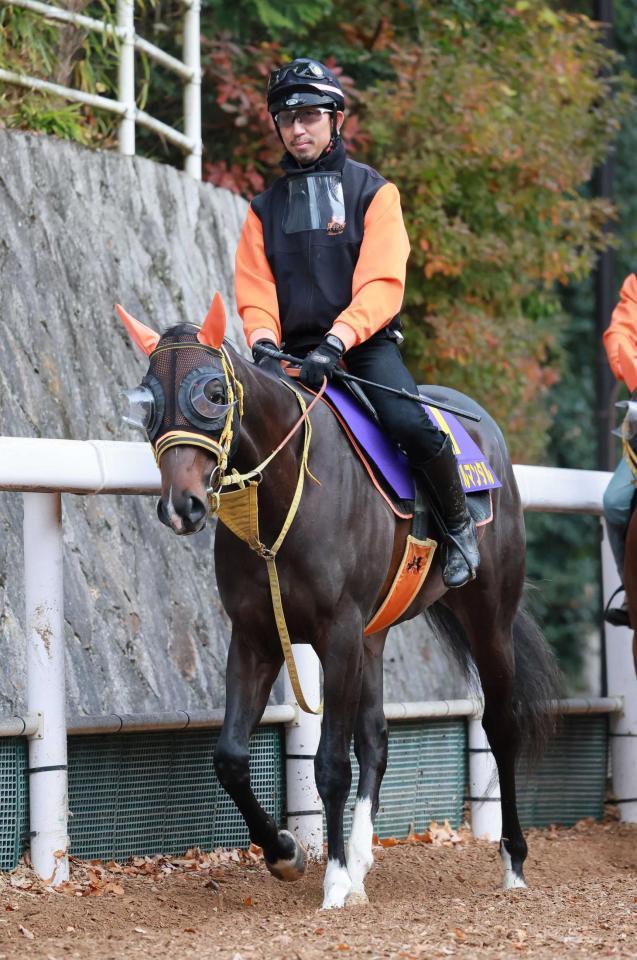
<point>44,602</point>
<point>192,88</point>
<point>126,88</point>
<point>484,785</point>
<point>305,811</point>
<point>620,672</point>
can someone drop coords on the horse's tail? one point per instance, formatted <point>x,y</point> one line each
<point>536,681</point>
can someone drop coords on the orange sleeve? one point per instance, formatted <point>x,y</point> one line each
<point>378,283</point>
<point>620,338</point>
<point>255,288</point>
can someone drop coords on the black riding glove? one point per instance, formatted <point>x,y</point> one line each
<point>259,355</point>
<point>263,360</point>
<point>322,362</point>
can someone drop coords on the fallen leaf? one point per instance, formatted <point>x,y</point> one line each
<point>189,930</point>
<point>247,901</point>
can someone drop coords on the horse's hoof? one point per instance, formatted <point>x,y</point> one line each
<point>514,881</point>
<point>357,898</point>
<point>336,887</point>
<point>513,876</point>
<point>292,868</point>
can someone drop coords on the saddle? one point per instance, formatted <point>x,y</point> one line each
<point>405,492</point>
<point>388,467</point>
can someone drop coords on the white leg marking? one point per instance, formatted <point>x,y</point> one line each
<point>359,848</point>
<point>512,880</point>
<point>336,885</point>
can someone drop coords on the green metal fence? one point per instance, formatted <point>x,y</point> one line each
<point>425,778</point>
<point>14,801</point>
<point>148,793</point>
<point>570,782</point>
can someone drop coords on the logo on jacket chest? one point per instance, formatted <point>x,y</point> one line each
<point>334,227</point>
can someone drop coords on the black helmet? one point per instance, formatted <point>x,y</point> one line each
<point>304,83</point>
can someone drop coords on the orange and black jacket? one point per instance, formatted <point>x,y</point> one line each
<point>295,288</point>
<point>620,338</point>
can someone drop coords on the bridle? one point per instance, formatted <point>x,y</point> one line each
<point>223,446</point>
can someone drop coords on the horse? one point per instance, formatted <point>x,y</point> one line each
<point>213,417</point>
<point>630,578</point>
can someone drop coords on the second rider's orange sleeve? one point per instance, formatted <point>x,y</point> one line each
<point>378,283</point>
<point>620,338</point>
<point>255,288</point>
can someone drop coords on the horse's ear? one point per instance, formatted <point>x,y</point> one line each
<point>145,338</point>
<point>214,326</point>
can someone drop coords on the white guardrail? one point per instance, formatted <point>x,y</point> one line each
<point>43,469</point>
<point>188,70</point>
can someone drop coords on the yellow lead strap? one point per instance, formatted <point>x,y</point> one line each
<point>238,510</point>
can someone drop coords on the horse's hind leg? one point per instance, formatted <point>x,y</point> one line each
<point>249,678</point>
<point>370,745</point>
<point>488,625</point>
<point>342,670</point>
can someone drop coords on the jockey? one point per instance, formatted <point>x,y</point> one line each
<point>620,340</point>
<point>320,271</point>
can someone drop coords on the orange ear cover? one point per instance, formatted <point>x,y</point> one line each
<point>145,338</point>
<point>214,326</point>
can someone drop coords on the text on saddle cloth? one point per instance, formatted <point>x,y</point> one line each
<point>475,471</point>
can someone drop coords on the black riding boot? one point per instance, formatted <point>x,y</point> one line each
<point>443,476</point>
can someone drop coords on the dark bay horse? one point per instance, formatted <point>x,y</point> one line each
<point>206,411</point>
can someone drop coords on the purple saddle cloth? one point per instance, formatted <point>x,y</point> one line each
<point>475,472</point>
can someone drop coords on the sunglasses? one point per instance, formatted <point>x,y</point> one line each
<point>307,117</point>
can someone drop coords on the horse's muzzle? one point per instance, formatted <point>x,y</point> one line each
<point>184,515</point>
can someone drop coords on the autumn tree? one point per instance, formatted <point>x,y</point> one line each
<point>490,133</point>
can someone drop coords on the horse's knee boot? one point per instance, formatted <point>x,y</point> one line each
<point>461,556</point>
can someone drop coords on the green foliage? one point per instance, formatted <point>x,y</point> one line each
<point>246,18</point>
<point>489,133</point>
<point>66,55</point>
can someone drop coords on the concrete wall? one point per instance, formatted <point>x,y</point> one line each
<point>81,230</point>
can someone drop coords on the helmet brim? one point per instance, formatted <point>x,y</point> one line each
<point>292,100</point>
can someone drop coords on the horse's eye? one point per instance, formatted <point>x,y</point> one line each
<point>214,392</point>
<point>208,397</point>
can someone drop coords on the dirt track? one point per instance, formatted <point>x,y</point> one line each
<point>425,902</point>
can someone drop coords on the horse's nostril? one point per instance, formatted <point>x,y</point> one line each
<point>161,513</point>
<point>196,509</point>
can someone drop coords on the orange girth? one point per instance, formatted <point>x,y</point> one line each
<point>411,574</point>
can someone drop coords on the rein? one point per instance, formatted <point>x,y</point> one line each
<point>239,511</point>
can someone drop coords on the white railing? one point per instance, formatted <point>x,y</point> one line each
<point>43,469</point>
<point>188,70</point>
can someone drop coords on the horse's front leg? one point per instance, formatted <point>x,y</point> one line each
<point>342,675</point>
<point>249,678</point>
<point>370,745</point>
